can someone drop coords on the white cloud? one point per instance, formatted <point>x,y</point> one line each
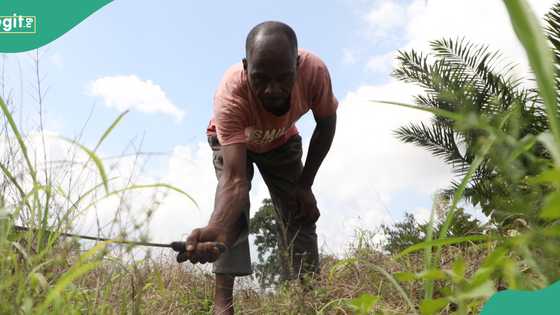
<point>61,160</point>
<point>418,22</point>
<point>381,64</point>
<point>479,21</point>
<point>385,18</point>
<point>64,163</point>
<point>349,56</point>
<point>367,166</point>
<point>189,168</point>
<point>422,215</point>
<point>131,92</point>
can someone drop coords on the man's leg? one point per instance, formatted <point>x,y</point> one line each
<point>223,294</point>
<point>236,261</point>
<point>280,169</point>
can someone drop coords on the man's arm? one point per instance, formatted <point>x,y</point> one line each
<point>319,146</point>
<point>232,194</point>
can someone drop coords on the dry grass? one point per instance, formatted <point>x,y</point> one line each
<point>164,287</point>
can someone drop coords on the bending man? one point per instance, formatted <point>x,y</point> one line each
<point>255,109</point>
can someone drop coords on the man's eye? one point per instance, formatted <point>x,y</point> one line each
<point>285,78</point>
<point>259,78</point>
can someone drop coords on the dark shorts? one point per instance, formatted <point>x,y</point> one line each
<point>280,169</point>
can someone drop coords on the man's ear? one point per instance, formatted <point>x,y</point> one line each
<point>297,61</point>
<point>244,64</point>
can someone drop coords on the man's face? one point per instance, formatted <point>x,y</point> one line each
<point>271,70</point>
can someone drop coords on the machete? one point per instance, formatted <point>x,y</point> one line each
<point>177,246</point>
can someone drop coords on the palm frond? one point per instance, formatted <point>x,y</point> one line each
<point>437,139</point>
<point>552,30</point>
<point>460,76</point>
<point>482,65</point>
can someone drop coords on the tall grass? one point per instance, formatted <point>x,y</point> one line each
<point>38,267</point>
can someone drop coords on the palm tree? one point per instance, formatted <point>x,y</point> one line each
<point>459,76</point>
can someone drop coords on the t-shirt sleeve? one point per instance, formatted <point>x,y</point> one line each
<point>229,115</point>
<point>323,101</point>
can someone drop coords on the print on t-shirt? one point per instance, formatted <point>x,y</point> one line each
<point>258,136</point>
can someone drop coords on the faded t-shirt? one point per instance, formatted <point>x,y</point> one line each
<point>239,117</point>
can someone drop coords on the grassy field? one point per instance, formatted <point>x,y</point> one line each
<point>44,273</point>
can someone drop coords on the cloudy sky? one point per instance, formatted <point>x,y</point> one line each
<point>163,61</point>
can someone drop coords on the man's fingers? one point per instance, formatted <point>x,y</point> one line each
<point>182,257</point>
<point>210,250</point>
<point>207,252</point>
<point>203,253</point>
<point>192,241</point>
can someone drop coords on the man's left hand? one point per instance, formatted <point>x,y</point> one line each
<point>308,212</point>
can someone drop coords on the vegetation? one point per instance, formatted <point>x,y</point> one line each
<point>501,137</point>
<point>265,228</point>
<point>402,235</point>
<point>471,80</point>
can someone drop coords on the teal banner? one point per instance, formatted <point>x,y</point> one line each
<point>510,302</point>
<point>30,24</point>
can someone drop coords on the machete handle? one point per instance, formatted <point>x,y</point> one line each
<point>181,247</point>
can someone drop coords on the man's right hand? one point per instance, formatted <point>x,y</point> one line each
<point>201,245</point>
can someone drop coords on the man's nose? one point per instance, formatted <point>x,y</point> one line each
<point>273,88</point>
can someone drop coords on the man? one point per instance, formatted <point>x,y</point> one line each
<point>255,110</point>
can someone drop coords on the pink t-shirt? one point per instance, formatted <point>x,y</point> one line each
<point>239,117</point>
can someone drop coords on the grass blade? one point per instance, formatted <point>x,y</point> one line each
<point>108,131</point>
<point>76,271</point>
<point>96,160</point>
<point>443,242</point>
<point>19,139</point>
<point>435,111</point>
<point>429,285</point>
<point>397,286</point>
<point>133,187</point>
<point>12,179</point>
<point>532,37</point>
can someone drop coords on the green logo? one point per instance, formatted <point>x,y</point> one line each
<point>510,302</point>
<point>18,24</point>
<point>30,24</point>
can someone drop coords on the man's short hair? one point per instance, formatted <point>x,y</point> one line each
<point>271,27</point>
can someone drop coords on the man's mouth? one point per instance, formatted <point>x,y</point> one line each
<point>275,101</point>
<point>277,106</point>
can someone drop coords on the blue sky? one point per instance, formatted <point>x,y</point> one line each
<point>184,47</point>
<point>173,53</point>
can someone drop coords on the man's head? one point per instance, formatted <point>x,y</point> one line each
<point>271,60</point>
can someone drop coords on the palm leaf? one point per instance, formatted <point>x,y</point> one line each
<point>552,31</point>
<point>438,139</point>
